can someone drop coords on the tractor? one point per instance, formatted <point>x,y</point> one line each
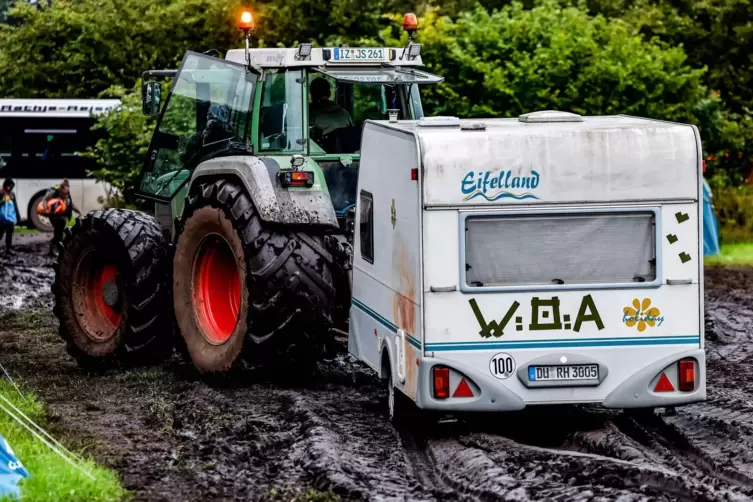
<point>253,168</point>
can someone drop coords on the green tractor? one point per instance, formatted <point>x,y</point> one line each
<point>253,167</point>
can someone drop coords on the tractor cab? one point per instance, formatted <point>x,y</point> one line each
<point>280,105</point>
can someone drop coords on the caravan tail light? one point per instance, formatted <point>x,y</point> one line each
<point>441,382</point>
<point>686,372</point>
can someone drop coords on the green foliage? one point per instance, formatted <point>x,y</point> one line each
<point>121,151</point>
<point>514,60</point>
<point>52,478</point>
<point>734,210</point>
<point>80,48</point>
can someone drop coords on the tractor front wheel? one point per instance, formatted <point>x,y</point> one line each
<point>111,290</point>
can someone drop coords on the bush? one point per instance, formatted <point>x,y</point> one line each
<point>734,210</point>
<point>514,60</point>
<point>122,149</point>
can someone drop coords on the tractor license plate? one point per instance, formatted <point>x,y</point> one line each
<point>355,54</point>
<point>563,372</point>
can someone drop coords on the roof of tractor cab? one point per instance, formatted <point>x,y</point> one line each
<point>284,58</point>
<point>562,158</point>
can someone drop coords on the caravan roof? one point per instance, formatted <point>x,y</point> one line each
<point>564,158</point>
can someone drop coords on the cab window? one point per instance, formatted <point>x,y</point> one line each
<point>338,109</point>
<point>281,113</point>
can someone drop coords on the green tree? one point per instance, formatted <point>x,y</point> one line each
<point>124,140</point>
<point>80,48</point>
<point>514,60</point>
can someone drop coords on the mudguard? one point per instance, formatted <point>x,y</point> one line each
<point>309,206</point>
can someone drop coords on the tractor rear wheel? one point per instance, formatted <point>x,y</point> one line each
<point>243,287</point>
<point>112,290</point>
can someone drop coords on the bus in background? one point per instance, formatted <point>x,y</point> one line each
<point>41,141</point>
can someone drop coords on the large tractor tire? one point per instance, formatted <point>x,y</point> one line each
<point>242,287</point>
<point>111,290</point>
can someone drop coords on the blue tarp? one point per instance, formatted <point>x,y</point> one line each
<point>11,470</point>
<point>710,224</point>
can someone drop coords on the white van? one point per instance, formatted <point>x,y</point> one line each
<point>547,259</point>
<point>40,144</point>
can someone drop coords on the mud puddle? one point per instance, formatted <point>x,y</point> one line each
<point>173,437</point>
<point>25,277</point>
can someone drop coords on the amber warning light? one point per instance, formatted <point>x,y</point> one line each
<point>247,21</point>
<point>410,23</point>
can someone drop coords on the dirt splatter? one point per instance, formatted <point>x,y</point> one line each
<point>404,309</point>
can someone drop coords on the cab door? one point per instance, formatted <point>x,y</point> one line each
<point>207,113</point>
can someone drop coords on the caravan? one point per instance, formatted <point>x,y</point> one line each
<point>547,259</point>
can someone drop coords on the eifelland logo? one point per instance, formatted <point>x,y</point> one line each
<point>494,186</point>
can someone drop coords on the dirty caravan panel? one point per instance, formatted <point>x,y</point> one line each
<point>600,159</point>
<point>611,331</point>
<point>386,311</point>
<point>575,277</point>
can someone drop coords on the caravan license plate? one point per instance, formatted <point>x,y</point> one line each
<point>563,372</point>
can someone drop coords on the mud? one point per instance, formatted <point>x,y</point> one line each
<point>173,437</point>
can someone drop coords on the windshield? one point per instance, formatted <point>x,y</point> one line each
<point>209,106</point>
<point>338,108</point>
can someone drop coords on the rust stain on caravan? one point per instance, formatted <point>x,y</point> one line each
<point>404,309</point>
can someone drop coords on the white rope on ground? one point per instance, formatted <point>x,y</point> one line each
<point>46,443</point>
<point>40,429</point>
<point>13,383</point>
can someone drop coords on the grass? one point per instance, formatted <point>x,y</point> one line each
<point>739,253</point>
<point>51,477</point>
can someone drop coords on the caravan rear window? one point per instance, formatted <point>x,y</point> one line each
<point>560,250</point>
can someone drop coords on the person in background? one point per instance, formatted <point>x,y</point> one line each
<point>62,192</point>
<point>9,214</point>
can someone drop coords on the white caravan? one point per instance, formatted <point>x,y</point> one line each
<point>41,141</point>
<point>547,259</point>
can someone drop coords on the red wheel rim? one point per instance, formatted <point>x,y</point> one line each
<point>216,290</point>
<point>92,277</point>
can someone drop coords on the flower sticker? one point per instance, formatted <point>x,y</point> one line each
<point>642,314</point>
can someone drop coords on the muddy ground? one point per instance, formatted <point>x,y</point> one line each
<point>173,437</point>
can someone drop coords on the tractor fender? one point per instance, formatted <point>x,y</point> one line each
<point>274,203</point>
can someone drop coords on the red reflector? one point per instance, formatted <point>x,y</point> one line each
<point>664,385</point>
<point>441,383</point>
<point>686,370</point>
<point>414,174</point>
<point>463,390</point>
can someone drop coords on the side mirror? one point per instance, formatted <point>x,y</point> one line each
<point>151,98</point>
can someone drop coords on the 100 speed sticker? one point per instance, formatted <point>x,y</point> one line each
<point>502,365</point>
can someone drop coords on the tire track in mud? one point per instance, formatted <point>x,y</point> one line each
<point>173,437</point>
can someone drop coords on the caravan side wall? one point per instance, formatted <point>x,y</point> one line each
<point>386,271</point>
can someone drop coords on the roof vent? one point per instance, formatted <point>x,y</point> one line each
<point>473,126</point>
<point>438,122</point>
<point>545,116</point>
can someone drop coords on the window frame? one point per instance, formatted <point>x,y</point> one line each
<point>158,137</point>
<point>363,194</point>
<point>261,84</point>
<point>462,225</point>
